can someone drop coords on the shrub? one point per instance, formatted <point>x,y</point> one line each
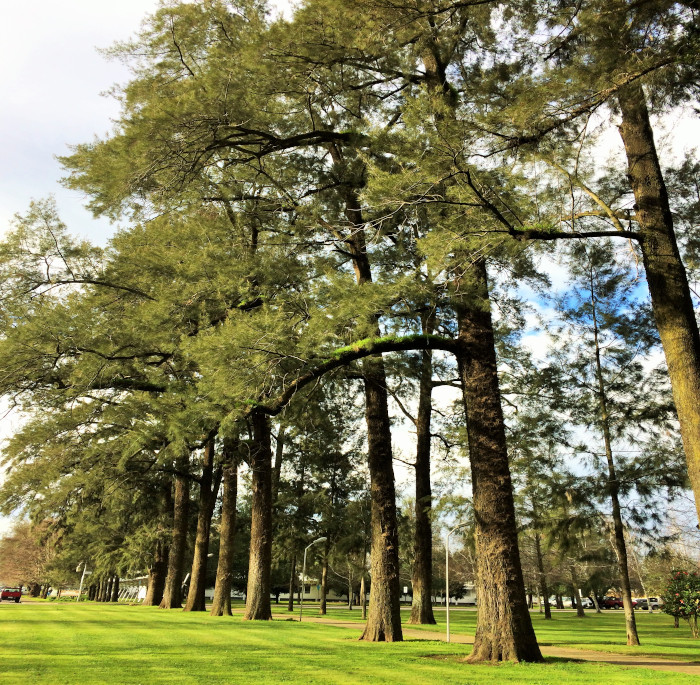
<point>682,598</point>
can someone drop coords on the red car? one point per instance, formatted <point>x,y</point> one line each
<point>11,593</point>
<point>611,603</point>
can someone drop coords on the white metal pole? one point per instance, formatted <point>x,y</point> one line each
<point>447,584</point>
<point>303,576</point>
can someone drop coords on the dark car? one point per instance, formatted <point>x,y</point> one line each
<point>11,593</point>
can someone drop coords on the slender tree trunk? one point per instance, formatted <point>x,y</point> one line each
<point>208,491</point>
<point>224,571</point>
<point>115,589</point>
<point>671,301</point>
<point>580,613</point>
<point>156,576</point>
<point>613,486</point>
<point>422,576</point>
<point>108,589</point>
<point>504,629</point>
<point>292,582</point>
<point>258,607</point>
<point>172,594</point>
<point>324,578</point>
<point>544,590</point>
<point>277,468</point>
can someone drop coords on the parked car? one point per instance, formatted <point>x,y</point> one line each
<point>644,603</point>
<point>586,603</point>
<point>10,594</point>
<point>610,602</point>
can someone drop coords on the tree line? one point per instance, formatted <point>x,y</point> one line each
<point>331,214</point>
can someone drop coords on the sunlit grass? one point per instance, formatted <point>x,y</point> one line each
<point>89,643</point>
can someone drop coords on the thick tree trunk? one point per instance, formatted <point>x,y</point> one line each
<point>384,616</point>
<point>292,583</point>
<point>504,630</point>
<point>384,619</point>
<point>208,491</point>
<point>671,302</point>
<point>115,589</point>
<point>156,576</point>
<point>224,571</point>
<point>544,590</point>
<point>172,594</point>
<point>422,576</point>
<point>258,607</point>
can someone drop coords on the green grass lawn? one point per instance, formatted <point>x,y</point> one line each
<point>602,632</point>
<point>89,643</point>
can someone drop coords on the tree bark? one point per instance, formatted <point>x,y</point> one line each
<point>544,590</point>
<point>172,594</point>
<point>208,491</point>
<point>115,589</point>
<point>671,301</point>
<point>156,576</point>
<point>384,616</point>
<point>504,629</point>
<point>224,571</point>
<point>258,607</point>
<point>384,619</point>
<point>292,583</point>
<point>422,576</point>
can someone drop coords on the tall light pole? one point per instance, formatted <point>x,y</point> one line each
<point>82,578</point>
<point>303,575</point>
<point>447,576</point>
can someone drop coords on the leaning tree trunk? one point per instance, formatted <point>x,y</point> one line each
<point>172,594</point>
<point>422,577</point>
<point>224,571</point>
<point>156,576</point>
<point>504,628</point>
<point>671,301</point>
<point>208,491</point>
<point>544,590</point>
<point>258,606</point>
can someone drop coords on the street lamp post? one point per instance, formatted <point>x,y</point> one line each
<point>303,575</point>
<point>447,577</point>
<point>82,578</point>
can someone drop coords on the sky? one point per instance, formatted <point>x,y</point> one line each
<point>53,83</point>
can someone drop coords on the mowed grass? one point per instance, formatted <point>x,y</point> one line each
<point>88,643</point>
<point>602,632</point>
